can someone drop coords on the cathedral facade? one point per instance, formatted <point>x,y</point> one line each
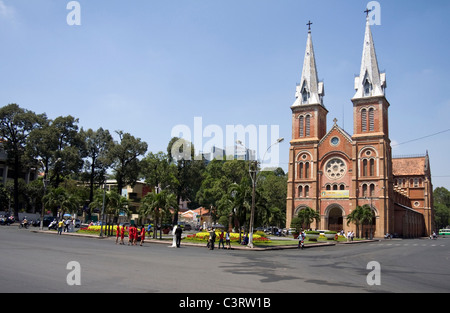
<point>334,172</point>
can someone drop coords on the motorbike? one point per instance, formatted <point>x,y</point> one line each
<point>53,225</point>
<point>301,243</point>
<point>24,224</point>
<point>7,220</point>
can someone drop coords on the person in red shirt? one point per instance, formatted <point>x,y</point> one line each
<point>122,234</point>
<point>135,235</point>
<point>142,235</point>
<point>130,235</point>
<point>117,233</point>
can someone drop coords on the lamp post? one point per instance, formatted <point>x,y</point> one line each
<point>45,181</point>
<point>254,175</point>
<point>103,210</point>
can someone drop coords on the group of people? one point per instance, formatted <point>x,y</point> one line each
<point>133,235</point>
<point>222,236</point>
<point>63,225</point>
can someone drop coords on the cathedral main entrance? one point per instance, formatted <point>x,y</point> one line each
<point>335,219</point>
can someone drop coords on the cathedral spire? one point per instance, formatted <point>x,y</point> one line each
<point>310,90</point>
<point>370,82</point>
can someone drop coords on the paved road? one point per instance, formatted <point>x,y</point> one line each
<point>34,262</point>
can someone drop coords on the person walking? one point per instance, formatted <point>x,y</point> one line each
<point>142,235</point>
<point>130,235</point>
<point>228,239</point>
<point>221,237</point>
<point>212,239</point>
<point>178,233</point>
<point>122,234</point>
<point>301,240</point>
<point>60,227</point>
<point>117,233</point>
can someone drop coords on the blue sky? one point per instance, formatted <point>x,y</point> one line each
<point>145,66</point>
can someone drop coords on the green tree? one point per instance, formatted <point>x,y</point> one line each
<point>362,215</point>
<point>158,205</point>
<point>187,172</point>
<point>96,145</point>
<point>114,203</point>
<point>16,124</point>
<point>124,156</point>
<point>158,171</point>
<point>59,200</point>
<point>307,216</point>
<point>59,146</point>
<point>441,207</point>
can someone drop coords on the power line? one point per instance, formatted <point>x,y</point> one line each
<point>438,133</point>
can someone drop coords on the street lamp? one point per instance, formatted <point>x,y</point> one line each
<point>254,175</point>
<point>103,210</point>
<point>45,181</point>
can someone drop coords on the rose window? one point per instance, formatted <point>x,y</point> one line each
<point>335,168</point>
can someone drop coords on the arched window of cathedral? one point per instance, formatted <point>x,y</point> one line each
<point>372,167</point>
<point>365,167</point>
<point>328,187</point>
<point>306,191</point>
<point>300,191</point>
<point>307,126</point>
<point>372,190</point>
<point>300,170</point>
<point>364,120</point>
<point>335,187</point>
<point>342,187</point>
<point>306,170</point>
<point>364,190</point>
<point>301,125</point>
<point>371,119</point>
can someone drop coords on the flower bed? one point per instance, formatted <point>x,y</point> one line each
<point>96,229</point>
<point>234,237</point>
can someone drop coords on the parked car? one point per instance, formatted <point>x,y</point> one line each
<point>48,220</point>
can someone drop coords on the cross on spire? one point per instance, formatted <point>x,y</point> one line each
<point>309,25</point>
<point>367,11</point>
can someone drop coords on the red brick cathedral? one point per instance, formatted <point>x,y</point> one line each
<point>334,172</point>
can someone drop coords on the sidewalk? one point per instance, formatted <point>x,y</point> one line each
<point>168,241</point>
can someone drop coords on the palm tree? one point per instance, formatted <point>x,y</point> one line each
<point>239,198</point>
<point>362,215</point>
<point>367,217</point>
<point>59,198</point>
<point>113,201</point>
<point>307,216</point>
<point>117,204</point>
<point>157,205</point>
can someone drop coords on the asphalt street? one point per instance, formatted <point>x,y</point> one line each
<point>35,262</point>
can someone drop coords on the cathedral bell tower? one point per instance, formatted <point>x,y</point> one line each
<point>308,112</point>
<point>370,107</point>
<point>373,175</point>
<point>309,123</point>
